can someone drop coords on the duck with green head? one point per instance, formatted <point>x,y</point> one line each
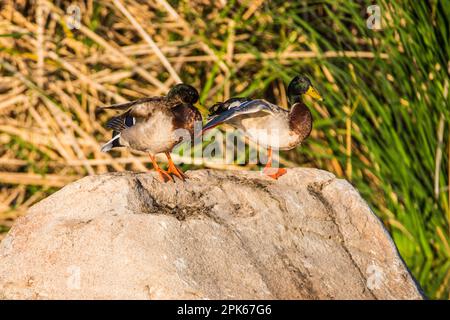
<point>268,124</point>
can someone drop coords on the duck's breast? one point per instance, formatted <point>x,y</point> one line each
<point>185,116</point>
<point>155,134</point>
<point>269,130</point>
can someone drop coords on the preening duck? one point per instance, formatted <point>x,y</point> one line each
<point>267,124</point>
<point>150,124</point>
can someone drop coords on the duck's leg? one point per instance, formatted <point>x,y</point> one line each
<point>274,173</point>
<point>165,177</point>
<point>173,169</point>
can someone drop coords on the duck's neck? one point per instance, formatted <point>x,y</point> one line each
<point>293,99</point>
<point>300,119</point>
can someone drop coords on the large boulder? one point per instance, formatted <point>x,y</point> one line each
<point>219,235</point>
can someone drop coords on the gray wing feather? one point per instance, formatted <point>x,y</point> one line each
<point>252,106</point>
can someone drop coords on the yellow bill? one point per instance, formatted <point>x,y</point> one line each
<point>313,93</point>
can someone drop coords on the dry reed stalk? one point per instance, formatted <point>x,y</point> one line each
<point>288,56</point>
<point>254,5</point>
<point>58,13</point>
<point>40,48</point>
<point>229,57</point>
<point>188,29</point>
<point>85,78</point>
<point>49,180</point>
<point>12,101</point>
<point>438,155</point>
<point>149,40</point>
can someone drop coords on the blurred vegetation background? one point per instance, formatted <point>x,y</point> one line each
<point>384,124</point>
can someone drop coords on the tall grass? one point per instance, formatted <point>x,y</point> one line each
<point>384,124</point>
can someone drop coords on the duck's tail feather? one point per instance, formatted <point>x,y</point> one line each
<point>113,143</point>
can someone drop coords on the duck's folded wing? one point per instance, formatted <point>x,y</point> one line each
<point>139,108</point>
<point>121,122</point>
<point>136,111</point>
<point>118,124</point>
<point>246,107</point>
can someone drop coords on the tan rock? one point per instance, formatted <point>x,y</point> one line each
<point>220,235</point>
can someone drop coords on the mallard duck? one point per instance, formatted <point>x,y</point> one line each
<point>149,125</point>
<point>268,124</point>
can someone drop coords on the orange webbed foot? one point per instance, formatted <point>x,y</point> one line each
<point>165,176</point>
<point>173,169</point>
<point>274,173</point>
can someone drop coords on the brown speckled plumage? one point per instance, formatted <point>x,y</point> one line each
<point>185,116</point>
<point>156,125</point>
<point>150,124</point>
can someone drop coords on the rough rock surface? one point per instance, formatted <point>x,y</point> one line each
<point>220,235</point>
